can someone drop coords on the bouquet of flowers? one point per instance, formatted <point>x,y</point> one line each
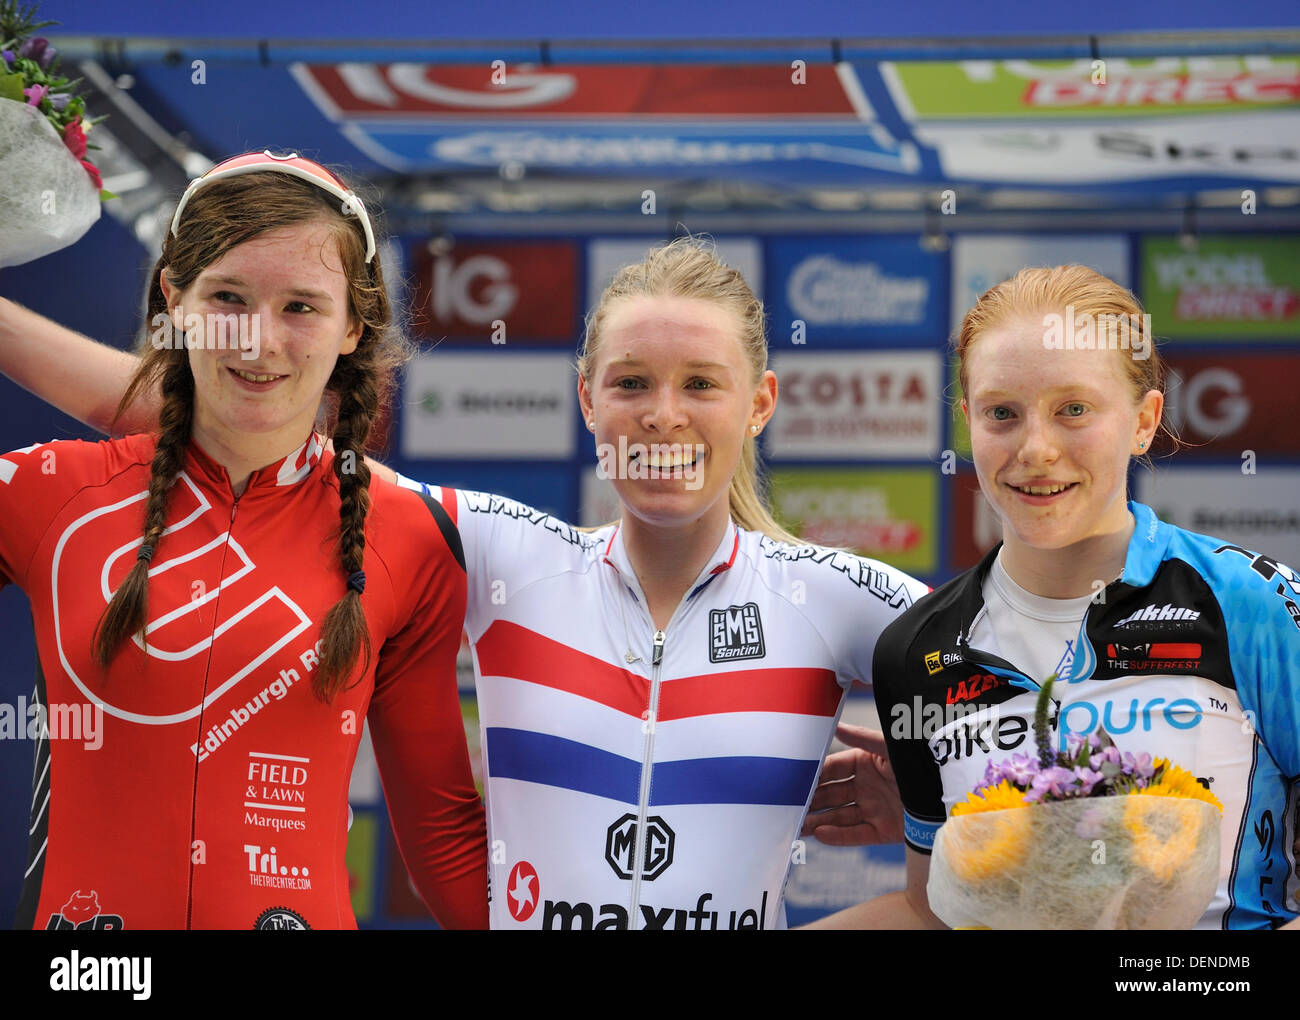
<point>50,192</point>
<point>1088,837</point>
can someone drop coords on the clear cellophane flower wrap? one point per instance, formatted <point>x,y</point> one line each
<point>47,200</point>
<point>1127,861</point>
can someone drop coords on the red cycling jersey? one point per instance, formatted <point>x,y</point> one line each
<point>199,782</point>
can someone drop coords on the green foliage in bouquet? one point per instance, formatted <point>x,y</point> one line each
<point>29,74</point>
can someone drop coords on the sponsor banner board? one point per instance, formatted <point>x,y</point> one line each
<point>844,291</point>
<point>1228,287</point>
<point>1224,404</point>
<point>496,292</point>
<point>491,405</point>
<point>887,514</point>
<point>877,405</point>
<point>1110,88</point>
<point>1251,147</point>
<point>981,261</point>
<point>1257,511</point>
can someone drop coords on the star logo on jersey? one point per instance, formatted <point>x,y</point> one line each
<point>521,891</point>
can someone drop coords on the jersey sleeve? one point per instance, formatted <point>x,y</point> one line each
<point>863,597</point>
<point>919,783</point>
<point>35,482</point>
<point>1260,600</point>
<point>419,735</point>
<point>478,537</point>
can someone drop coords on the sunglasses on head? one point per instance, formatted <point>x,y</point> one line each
<point>294,165</point>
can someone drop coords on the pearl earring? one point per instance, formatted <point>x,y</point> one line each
<point>753,429</point>
<point>591,424</point>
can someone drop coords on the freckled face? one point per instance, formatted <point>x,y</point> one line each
<point>292,280</point>
<point>1052,432</point>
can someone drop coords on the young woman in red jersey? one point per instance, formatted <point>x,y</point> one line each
<point>231,600</point>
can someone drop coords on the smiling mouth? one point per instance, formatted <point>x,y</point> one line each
<point>255,377</point>
<point>1043,490</point>
<point>666,458</point>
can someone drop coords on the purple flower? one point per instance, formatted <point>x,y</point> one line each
<point>35,93</point>
<point>1018,770</point>
<point>60,101</point>
<point>1139,766</point>
<point>7,56</point>
<point>1109,756</point>
<point>39,50</point>
<point>1054,781</point>
<point>1087,779</point>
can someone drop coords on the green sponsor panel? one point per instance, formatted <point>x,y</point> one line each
<point>360,861</point>
<point>1115,87</point>
<point>889,514</point>
<point>1229,287</point>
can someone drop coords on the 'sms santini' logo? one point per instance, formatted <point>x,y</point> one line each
<point>735,633</point>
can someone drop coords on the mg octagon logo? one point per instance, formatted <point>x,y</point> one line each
<point>620,847</point>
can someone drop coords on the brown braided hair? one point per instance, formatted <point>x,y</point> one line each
<point>218,218</point>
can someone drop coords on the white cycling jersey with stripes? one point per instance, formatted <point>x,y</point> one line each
<point>645,778</point>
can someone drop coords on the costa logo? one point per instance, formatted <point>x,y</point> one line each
<point>177,632</point>
<point>853,388</point>
<point>522,889</point>
<point>620,847</point>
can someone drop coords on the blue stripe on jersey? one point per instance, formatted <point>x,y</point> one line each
<point>570,765</point>
<point>737,780</point>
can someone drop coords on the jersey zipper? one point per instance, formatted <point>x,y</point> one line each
<point>194,795</point>
<point>647,767</point>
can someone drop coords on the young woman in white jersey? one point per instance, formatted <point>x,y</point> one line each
<point>1177,644</point>
<point>656,696</point>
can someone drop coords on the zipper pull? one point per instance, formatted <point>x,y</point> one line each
<point>659,648</point>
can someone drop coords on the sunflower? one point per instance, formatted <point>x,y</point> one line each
<point>1173,781</point>
<point>989,838</point>
<point>1165,832</point>
<point>995,798</point>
